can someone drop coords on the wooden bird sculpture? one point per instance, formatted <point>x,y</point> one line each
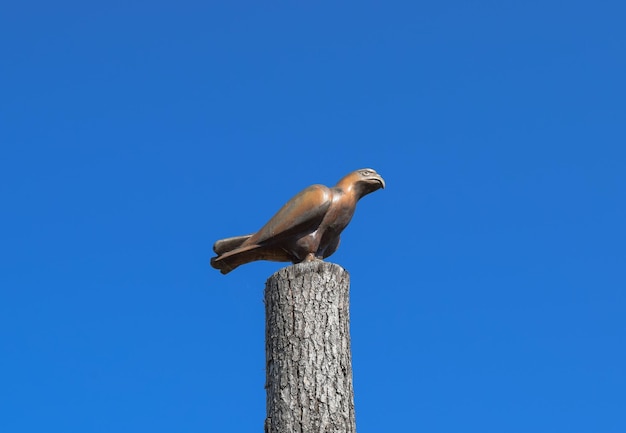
<point>306,228</point>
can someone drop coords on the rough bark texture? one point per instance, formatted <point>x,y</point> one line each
<point>307,346</point>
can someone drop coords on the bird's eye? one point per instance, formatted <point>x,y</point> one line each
<point>366,172</point>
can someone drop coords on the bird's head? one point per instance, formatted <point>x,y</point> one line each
<point>362,182</point>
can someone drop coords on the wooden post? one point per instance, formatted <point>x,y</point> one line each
<point>307,347</point>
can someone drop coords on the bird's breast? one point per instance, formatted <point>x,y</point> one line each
<point>338,216</point>
<point>326,235</point>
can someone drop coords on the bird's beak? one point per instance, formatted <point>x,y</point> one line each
<point>381,180</point>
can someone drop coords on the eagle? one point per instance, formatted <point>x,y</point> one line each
<point>306,228</point>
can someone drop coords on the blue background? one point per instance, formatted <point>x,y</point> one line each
<point>488,279</point>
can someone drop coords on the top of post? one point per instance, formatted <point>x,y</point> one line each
<point>318,267</point>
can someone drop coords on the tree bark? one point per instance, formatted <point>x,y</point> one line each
<point>307,347</point>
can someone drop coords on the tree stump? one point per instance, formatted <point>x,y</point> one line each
<point>307,347</point>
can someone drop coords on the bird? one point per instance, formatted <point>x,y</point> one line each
<point>306,228</point>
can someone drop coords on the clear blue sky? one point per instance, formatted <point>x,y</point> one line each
<point>488,279</point>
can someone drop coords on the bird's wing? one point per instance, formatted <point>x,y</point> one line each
<point>302,213</point>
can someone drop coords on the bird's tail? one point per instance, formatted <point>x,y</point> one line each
<point>225,245</point>
<point>224,266</point>
<point>230,260</point>
<point>229,253</point>
<point>232,253</point>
